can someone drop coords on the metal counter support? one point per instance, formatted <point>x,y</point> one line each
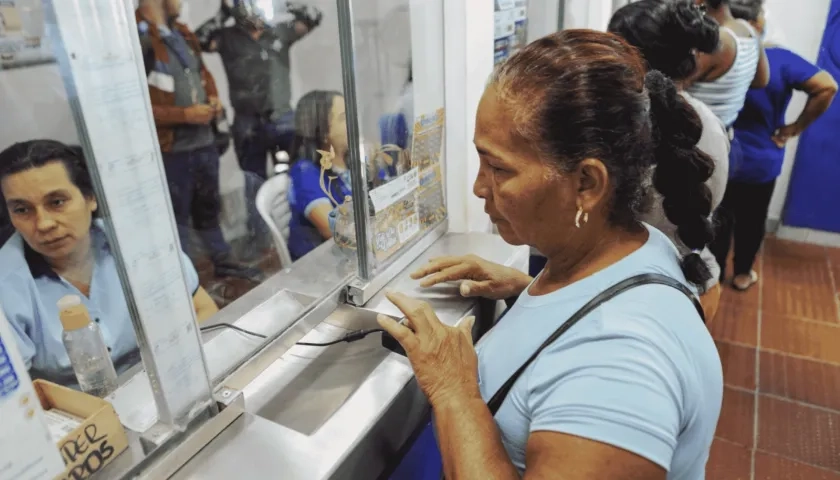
<point>358,172</point>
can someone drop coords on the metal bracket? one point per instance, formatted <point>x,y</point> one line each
<point>360,292</point>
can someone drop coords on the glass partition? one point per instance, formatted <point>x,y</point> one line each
<point>86,212</point>
<point>162,161</point>
<point>395,125</point>
<point>273,76</point>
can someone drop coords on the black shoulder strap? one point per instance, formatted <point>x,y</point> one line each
<point>621,287</point>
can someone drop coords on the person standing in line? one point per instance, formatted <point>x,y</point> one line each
<point>724,76</point>
<point>667,34</point>
<point>763,133</point>
<point>184,104</point>
<point>255,55</point>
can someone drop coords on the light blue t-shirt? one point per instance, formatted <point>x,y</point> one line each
<point>30,290</point>
<point>641,372</point>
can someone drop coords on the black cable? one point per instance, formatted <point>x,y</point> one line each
<point>349,338</point>
<point>232,327</point>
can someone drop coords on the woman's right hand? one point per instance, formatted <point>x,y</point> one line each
<point>480,278</point>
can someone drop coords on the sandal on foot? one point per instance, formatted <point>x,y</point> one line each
<point>752,281</point>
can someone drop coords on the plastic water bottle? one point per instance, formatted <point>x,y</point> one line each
<point>86,348</point>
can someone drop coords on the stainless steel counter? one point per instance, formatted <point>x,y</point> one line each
<point>341,411</point>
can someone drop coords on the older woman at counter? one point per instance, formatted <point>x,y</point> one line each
<point>60,248</point>
<point>567,132</point>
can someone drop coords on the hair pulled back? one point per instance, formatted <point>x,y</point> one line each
<point>312,124</point>
<point>668,33</point>
<point>581,94</point>
<point>23,156</point>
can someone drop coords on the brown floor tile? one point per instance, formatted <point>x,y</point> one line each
<point>798,281</point>
<point>728,461</point>
<point>776,247</point>
<point>735,324</point>
<point>737,417</point>
<point>808,381</point>
<point>816,340</point>
<point>738,299</point>
<point>771,467</point>
<point>799,432</point>
<point>738,365</point>
<point>808,298</point>
<point>834,262</point>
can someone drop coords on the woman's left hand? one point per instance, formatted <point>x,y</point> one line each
<point>443,357</point>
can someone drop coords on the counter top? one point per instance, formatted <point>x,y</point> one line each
<point>341,411</point>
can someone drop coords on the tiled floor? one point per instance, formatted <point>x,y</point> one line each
<point>780,348</point>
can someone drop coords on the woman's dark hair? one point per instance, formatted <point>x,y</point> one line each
<point>23,156</point>
<point>668,33</point>
<point>37,153</point>
<point>716,3</point>
<point>579,94</point>
<point>312,124</point>
<point>748,10</point>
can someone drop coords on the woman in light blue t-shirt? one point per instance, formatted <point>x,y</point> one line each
<point>568,132</point>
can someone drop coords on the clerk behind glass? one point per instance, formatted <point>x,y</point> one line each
<point>59,249</point>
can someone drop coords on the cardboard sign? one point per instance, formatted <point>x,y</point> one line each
<point>96,441</point>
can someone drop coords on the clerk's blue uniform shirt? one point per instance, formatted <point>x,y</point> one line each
<point>305,195</point>
<point>764,113</point>
<point>30,289</point>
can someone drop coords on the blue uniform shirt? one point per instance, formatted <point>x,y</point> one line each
<point>641,372</point>
<point>305,194</point>
<point>764,113</point>
<point>30,289</point>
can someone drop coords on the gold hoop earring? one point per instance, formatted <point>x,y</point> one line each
<point>581,215</point>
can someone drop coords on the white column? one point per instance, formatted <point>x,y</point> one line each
<point>594,14</point>
<point>543,16</point>
<point>468,47</point>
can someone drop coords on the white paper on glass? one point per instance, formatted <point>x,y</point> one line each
<point>111,94</point>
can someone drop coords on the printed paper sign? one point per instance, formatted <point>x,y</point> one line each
<point>388,194</point>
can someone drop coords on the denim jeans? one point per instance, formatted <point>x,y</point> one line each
<point>193,179</point>
<point>256,136</point>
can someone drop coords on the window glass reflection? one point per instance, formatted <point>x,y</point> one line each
<point>59,246</point>
<point>245,202</point>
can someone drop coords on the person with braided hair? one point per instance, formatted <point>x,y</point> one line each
<point>668,35</point>
<point>571,132</point>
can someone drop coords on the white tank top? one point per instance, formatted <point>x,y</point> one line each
<point>726,95</point>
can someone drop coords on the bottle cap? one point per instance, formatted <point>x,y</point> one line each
<point>72,313</point>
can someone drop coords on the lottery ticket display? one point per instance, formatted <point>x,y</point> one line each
<point>413,203</point>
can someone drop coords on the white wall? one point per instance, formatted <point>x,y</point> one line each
<point>594,14</point>
<point>801,26</point>
<point>543,16</point>
<point>34,105</point>
<point>469,62</point>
